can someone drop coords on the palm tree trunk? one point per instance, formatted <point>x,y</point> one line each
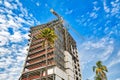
<point>46,45</point>
<point>40,75</point>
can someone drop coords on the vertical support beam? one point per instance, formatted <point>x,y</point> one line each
<point>65,34</point>
<point>27,76</point>
<point>53,76</point>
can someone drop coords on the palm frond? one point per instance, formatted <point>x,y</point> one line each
<point>104,68</point>
<point>47,34</point>
<point>99,64</point>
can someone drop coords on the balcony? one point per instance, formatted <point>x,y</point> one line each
<point>51,63</point>
<point>36,33</point>
<point>36,75</point>
<point>33,34</point>
<point>31,77</point>
<point>34,42</point>
<point>33,56</point>
<point>35,46</point>
<point>40,60</point>
<point>36,50</point>
<point>38,65</point>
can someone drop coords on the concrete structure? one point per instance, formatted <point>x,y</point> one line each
<point>63,61</point>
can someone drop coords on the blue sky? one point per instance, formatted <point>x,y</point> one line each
<point>98,21</point>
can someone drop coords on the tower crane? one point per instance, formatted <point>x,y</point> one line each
<point>59,17</point>
<point>65,23</point>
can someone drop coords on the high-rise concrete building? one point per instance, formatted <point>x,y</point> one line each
<point>63,61</point>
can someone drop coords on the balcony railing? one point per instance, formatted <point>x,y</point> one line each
<point>35,46</point>
<point>34,34</point>
<point>39,54</point>
<point>31,77</point>
<point>40,60</point>
<point>36,50</point>
<point>36,41</point>
<point>31,67</point>
<point>40,67</point>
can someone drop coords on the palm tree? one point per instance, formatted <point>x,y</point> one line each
<point>100,71</point>
<point>48,35</point>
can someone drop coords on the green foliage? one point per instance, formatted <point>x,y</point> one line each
<point>48,35</point>
<point>100,71</point>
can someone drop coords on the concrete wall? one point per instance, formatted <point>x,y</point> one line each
<point>69,65</point>
<point>68,74</point>
<point>59,74</point>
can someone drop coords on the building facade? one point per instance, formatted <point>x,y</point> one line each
<point>63,61</point>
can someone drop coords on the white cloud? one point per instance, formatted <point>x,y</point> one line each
<point>68,11</point>
<point>46,5</point>
<point>1,2</point>
<point>95,50</point>
<point>106,54</point>
<point>115,60</point>
<point>4,51</point>
<point>93,15</point>
<point>13,54</point>
<point>15,6</point>
<point>106,9</point>
<point>12,65</point>
<point>25,36</point>
<point>115,7</point>
<point>16,37</point>
<point>95,2</point>
<point>118,53</point>
<point>4,33</point>
<point>118,79</point>
<point>113,10</point>
<point>3,76</point>
<point>38,4</point>
<point>96,8</point>
<point>7,4</point>
<point>3,40</point>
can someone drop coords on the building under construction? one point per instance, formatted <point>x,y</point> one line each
<point>63,61</point>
